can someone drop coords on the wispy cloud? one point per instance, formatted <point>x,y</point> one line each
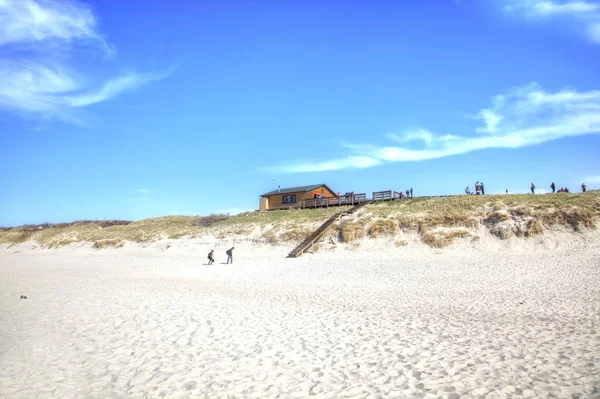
<point>524,116</point>
<point>581,15</point>
<point>29,21</point>
<point>143,190</point>
<point>592,179</point>
<point>41,41</point>
<point>112,88</point>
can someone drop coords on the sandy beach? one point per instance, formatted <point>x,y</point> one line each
<point>155,322</point>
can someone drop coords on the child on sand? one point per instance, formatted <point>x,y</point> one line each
<point>211,256</point>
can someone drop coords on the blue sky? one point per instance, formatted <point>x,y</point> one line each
<point>129,110</point>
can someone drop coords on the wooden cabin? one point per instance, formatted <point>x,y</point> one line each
<point>286,198</point>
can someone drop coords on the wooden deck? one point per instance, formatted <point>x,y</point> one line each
<point>354,199</point>
<point>351,200</point>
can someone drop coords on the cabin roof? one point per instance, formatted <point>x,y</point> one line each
<point>301,189</point>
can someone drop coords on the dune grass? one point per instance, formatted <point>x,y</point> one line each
<point>352,231</point>
<point>108,243</point>
<point>383,227</point>
<point>502,214</point>
<point>269,237</point>
<point>295,235</point>
<point>282,216</point>
<point>496,217</point>
<point>534,227</point>
<point>440,239</point>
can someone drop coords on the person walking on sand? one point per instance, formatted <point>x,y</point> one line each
<point>507,191</point>
<point>211,257</point>
<point>532,188</point>
<point>553,187</point>
<point>583,187</point>
<point>411,192</point>
<point>229,253</point>
<point>482,188</point>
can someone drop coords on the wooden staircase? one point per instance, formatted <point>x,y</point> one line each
<point>310,240</point>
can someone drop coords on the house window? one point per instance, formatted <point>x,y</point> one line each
<point>289,199</point>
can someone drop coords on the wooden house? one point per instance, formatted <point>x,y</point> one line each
<point>286,198</point>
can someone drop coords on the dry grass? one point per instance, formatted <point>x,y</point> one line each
<point>534,227</point>
<point>281,217</point>
<point>502,232</point>
<point>521,211</point>
<point>401,243</point>
<point>577,211</point>
<point>295,235</point>
<point>108,243</point>
<point>354,230</point>
<point>15,236</point>
<point>438,218</point>
<point>354,246</point>
<point>440,239</point>
<point>384,227</point>
<point>270,237</point>
<point>62,242</point>
<point>574,217</point>
<point>241,232</point>
<point>497,217</point>
<point>206,221</point>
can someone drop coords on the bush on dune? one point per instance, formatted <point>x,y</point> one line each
<point>384,227</point>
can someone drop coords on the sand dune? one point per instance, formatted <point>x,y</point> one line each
<point>145,322</point>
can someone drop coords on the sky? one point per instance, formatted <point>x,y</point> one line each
<point>138,109</point>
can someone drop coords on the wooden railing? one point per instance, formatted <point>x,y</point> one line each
<point>386,195</point>
<point>310,240</point>
<point>334,201</point>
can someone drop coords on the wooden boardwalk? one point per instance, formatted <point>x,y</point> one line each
<point>353,199</point>
<point>310,240</point>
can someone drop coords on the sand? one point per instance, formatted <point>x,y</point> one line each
<point>155,322</point>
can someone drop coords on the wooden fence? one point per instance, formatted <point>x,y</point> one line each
<point>386,195</point>
<point>352,199</point>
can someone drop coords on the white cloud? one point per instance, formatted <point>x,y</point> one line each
<point>349,162</point>
<point>524,116</point>
<point>27,21</point>
<point>490,119</point>
<point>111,88</point>
<point>143,190</point>
<point>41,40</point>
<point>413,135</point>
<point>582,15</point>
<point>594,32</point>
